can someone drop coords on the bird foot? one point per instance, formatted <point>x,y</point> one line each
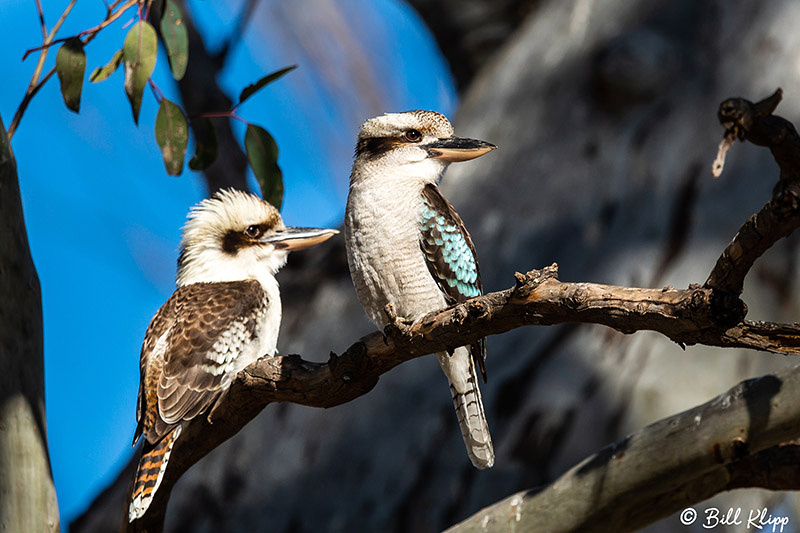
<point>395,322</point>
<point>391,314</point>
<point>394,319</point>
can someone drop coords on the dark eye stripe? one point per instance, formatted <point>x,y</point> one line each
<point>235,240</point>
<point>373,147</point>
<point>376,146</point>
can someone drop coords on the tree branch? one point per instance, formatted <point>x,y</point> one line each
<point>780,216</point>
<point>726,443</point>
<point>538,298</point>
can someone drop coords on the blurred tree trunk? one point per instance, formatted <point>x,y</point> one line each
<point>27,494</point>
<point>469,32</point>
<point>604,112</point>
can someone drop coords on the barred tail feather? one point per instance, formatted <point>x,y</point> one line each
<point>150,472</point>
<point>460,371</point>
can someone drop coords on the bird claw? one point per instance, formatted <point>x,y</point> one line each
<point>399,322</point>
<point>396,323</point>
<point>391,313</point>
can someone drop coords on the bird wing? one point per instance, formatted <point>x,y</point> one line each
<point>450,256</point>
<point>191,347</point>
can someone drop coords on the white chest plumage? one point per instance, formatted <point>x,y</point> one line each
<point>382,231</point>
<point>268,325</point>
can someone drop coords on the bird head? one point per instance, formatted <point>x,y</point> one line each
<point>235,235</point>
<point>421,141</point>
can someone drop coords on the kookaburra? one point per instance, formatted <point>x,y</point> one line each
<point>407,246</point>
<point>224,315</point>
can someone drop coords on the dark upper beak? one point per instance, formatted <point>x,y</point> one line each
<point>458,149</point>
<point>292,239</point>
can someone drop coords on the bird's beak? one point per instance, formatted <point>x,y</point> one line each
<point>455,149</point>
<point>292,239</point>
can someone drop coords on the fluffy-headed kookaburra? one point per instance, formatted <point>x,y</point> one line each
<point>407,246</point>
<point>224,315</point>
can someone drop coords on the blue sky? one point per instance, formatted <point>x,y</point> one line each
<point>104,218</point>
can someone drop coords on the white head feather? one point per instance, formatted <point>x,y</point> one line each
<point>205,257</point>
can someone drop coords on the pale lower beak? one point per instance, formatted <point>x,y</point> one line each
<point>455,149</point>
<point>292,239</point>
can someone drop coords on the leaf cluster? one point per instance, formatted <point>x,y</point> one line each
<point>138,55</point>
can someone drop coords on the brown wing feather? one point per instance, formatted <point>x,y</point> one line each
<point>174,385</point>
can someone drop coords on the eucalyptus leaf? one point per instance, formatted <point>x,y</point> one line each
<point>104,72</point>
<point>176,39</point>
<point>70,67</point>
<point>172,135</point>
<point>262,153</point>
<point>139,54</point>
<point>251,89</point>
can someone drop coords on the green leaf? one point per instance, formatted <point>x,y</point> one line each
<point>176,38</point>
<point>206,145</point>
<point>262,153</point>
<point>70,67</point>
<point>251,89</point>
<point>172,135</point>
<point>103,73</point>
<point>139,54</point>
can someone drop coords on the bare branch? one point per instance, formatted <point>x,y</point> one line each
<point>729,442</point>
<point>781,215</point>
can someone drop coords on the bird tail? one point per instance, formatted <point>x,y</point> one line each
<point>150,472</point>
<point>460,371</point>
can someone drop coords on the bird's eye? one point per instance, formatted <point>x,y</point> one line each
<point>413,136</point>
<point>254,232</point>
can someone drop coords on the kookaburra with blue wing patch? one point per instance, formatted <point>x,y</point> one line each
<point>224,315</point>
<point>407,246</point>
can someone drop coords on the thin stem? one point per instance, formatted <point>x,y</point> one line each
<point>41,19</point>
<point>35,84</point>
<point>156,91</point>
<point>223,114</point>
<point>61,19</point>
<point>91,31</point>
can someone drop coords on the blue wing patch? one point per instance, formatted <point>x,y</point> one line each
<point>451,257</point>
<point>449,254</point>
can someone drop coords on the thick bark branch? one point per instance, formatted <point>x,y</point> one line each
<point>726,443</point>
<point>539,298</point>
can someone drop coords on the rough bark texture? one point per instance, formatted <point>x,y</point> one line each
<point>604,115</point>
<point>27,494</point>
